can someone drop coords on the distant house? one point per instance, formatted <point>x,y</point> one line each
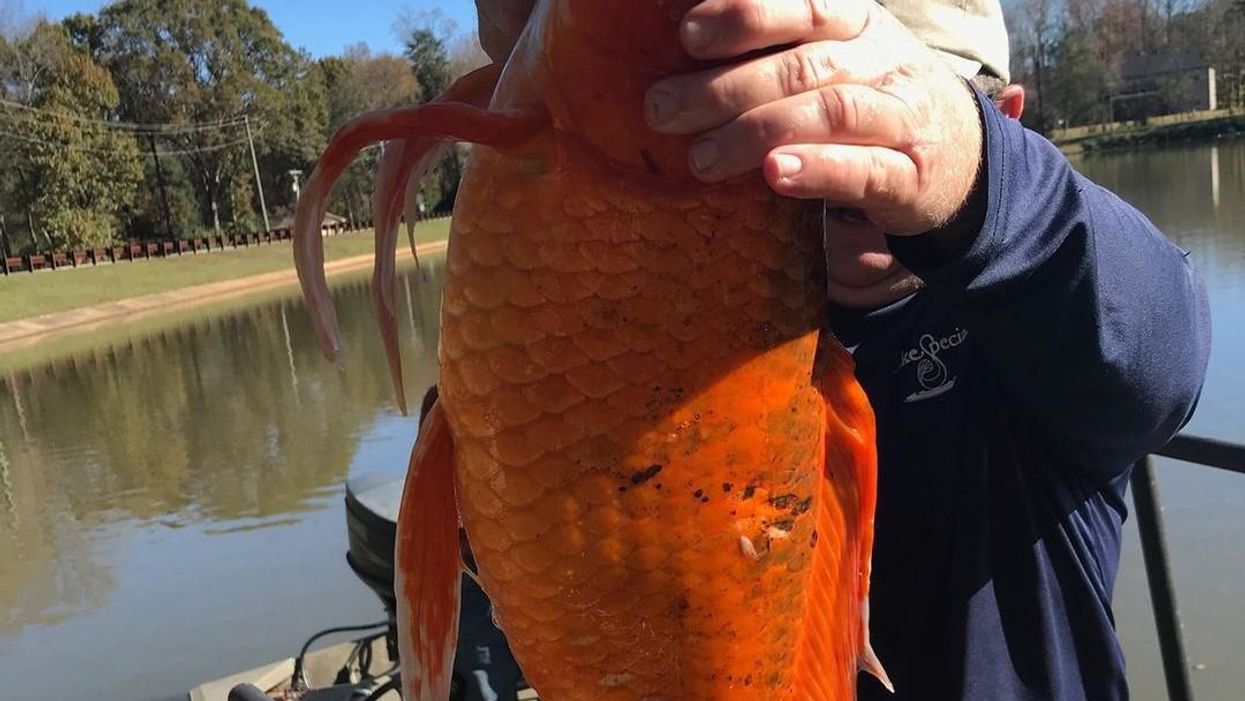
<point>1154,84</point>
<point>329,220</point>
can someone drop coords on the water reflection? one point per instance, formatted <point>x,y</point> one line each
<point>235,420</point>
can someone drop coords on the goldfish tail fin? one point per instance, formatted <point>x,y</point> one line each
<point>427,565</point>
<point>831,654</point>
<point>403,164</point>
<point>412,213</point>
<point>460,114</point>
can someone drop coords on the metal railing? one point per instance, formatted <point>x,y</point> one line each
<point>1193,449</point>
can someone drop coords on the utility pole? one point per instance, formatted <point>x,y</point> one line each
<point>246,121</point>
<point>164,200</point>
<point>6,253</point>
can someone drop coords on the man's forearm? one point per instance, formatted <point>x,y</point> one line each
<point>1095,320</point>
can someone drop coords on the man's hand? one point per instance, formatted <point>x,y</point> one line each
<point>857,111</point>
<point>501,22</point>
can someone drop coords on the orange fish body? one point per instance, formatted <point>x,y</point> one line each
<point>664,467</point>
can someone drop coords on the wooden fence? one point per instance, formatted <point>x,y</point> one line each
<point>147,250</point>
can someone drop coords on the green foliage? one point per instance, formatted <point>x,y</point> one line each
<point>188,62</point>
<point>72,175</point>
<point>1072,55</point>
<point>355,83</point>
<point>430,62</point>
<point>192,71</point>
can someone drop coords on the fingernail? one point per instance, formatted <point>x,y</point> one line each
<point>698,35</point>
<point>787,165</point>
<point>662,106</point>
<point>705,154</point>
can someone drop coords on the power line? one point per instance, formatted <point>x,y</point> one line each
<point>83,149</point>
<point>224,123</point>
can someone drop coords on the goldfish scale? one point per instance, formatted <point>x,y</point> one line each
<point>559,320</point>
<point>565,258</point>
<point>553,434</point>
<point>608,258</point>
<point>558,355</point>
<point>599,344</point>
<point>554,393</point>
<point>486,251</point>
<point>514,365</point>
<point>511,323</point>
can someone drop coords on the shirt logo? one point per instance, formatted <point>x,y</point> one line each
<point>931,372</point>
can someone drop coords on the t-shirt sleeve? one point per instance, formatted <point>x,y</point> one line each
<point>1093,319</point>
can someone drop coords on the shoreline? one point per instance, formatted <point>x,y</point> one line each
<point>23,333</point>
<point>1170,130</point>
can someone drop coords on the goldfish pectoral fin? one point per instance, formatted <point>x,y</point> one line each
<point>460,114</point>
<point>870,663</point>
<point>428,567</point>
<point>868,660</point>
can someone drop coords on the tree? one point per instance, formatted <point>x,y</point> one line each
<point>429,59</point>
<point>1032,25</point>
<point>185,62</point>
<point>466,55</point>
<point>430,62</point>
<point>358,82</point>
<point>72,172</point>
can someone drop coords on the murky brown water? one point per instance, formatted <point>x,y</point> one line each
<point>170,495</point>
<point>170,501</point>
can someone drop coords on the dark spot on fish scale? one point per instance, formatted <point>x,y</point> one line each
<point>786,525</point>
<point>684,604</point>
<point>812,540</point>
<point>704,500</point>
<point>726,486</point>
<point>657,486</point>
<point>622,489</point>
<point>749,491</point>
<point>783,501</point>
<point>698,493</point>
<point>641,476</point>
<point>748,680</point>
<point>802,507</point>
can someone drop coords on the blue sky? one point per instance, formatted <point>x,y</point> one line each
<point>323,27</point>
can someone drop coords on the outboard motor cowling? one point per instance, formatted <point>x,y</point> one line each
<point>372,503</point>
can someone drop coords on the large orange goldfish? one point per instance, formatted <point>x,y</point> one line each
<point>665,468</point>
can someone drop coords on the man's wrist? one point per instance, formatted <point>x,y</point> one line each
<point>950,241</point>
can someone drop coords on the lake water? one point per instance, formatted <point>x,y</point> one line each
<point>171,493</point>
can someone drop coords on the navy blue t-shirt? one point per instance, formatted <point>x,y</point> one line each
<point>1054,344</point>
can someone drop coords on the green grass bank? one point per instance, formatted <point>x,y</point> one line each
<point>25,295</point>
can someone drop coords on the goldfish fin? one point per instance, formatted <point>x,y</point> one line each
<point>412,216</point>
<point>830,654</point>
<point>403,164</point>
<point>427,566</point>
<point>460,114</point>
<point>869,661</point>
